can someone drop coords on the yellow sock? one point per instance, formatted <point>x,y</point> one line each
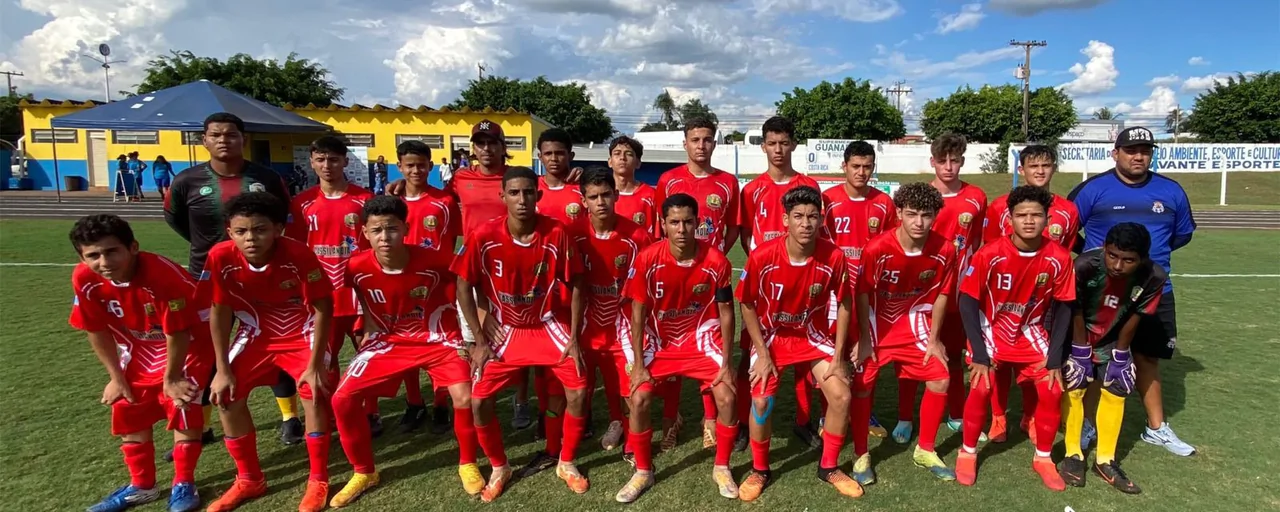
<point>1073,411</point>
<point>1110,416</point>
<point>288,407</point>
<point>207,411</point>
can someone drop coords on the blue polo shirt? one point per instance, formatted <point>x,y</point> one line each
<point>1158,202</point>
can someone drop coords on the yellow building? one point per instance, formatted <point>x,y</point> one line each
<point>90,154</point>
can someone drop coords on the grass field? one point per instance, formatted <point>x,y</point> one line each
<point>1221,394</point>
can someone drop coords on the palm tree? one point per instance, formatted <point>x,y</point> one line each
<point>1105,114</point>
<point>1174,120</point>
<point>665,104</point>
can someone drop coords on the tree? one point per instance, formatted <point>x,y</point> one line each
<point>655,127</point>
<point>850,109</point>
<point>665,104</point>
<point>736,136</point>
<point>296,81</point>
<point>695,108</point>
<point>1243,109</point>
<point>1106,114</point>
<point>1174,121</point>
<point>11,127</point>
<point>675,115</point>
<point>992,115</point>
<point>567,106</point>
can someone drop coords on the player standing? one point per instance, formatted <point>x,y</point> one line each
<point>1116,286</point>
<point>681,324</point>
<point>408,295</point>
<point>786,286</point>
<point>516,262</point>
<point>134,307</point>
<point>636,199</point>
<point>277,289</point>
<point>906,281</point>
<point>1015,303</point>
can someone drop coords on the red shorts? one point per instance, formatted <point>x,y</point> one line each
<point>1025,372</point>
<point>602,339</point>
<point>258,362</point>
<point>524,347</point>
<point>792,351</point>
<point>380,366</point>
<point>153,405</point>
<point>909,362</point>
<point>699,367</point>
<point>343,327</point>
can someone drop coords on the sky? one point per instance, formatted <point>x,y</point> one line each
<point>1136,57</point>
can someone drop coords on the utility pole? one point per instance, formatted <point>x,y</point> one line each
<point>1177,121</point>
<point>8,77</point>
<point>481,67</point>
<point>897,91</point>
<point>1024,73</point>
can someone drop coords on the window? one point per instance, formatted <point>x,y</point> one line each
<point>433,141</point>
<point>193,138</point>
<point>515,143</point>
<point>462,144</point>
<point>135,137</point>
<point>64,135</point>
<point>358,139</point>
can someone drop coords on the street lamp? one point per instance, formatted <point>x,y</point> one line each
<point>105,51</point>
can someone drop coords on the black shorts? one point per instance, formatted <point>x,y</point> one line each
<point>1157,334</point>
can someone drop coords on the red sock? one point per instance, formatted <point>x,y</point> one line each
<point>1000,391</point>
<point>708,407</point>
<point>370,406</point>
<point>1028,398</point>
<point>907,399</point>
<point>975,413</point>
<point>490,437</point>
<point>725,437</point>
<point>760,455</point>
<point>641,444</point>
<point>802,398</point>
<point>831,446</point>
<point>573,426</point>
<point>244,451</point>
<point>932,407</point>
<point>441,398</point>
<point>554,424</point>
<point>185,456</point>
<point>860,423</point>
<point>955,394</point>
<point>353,429</point>
<point>464,428</point>
<point>613,391</point>
<point>318,453</point>
<point>670,393</point>
<point>140,458</point>
<point>1048,414</point>
<point>413,388</point>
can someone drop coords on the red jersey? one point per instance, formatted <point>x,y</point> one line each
<point>1062,227</point>
<point>791,298</point>
<point>480,196</point>
<point>684,317</point>
<point>410,305</point>
<point>138,314</point>
<point>1014,290</point>
<point>898,284</point>
<point>275,299</point>
<point>607,258</point>
<point>333,230</point>
<point>852,222</point>
<point>563,203</point>
<point>717,196</point>
<point>519,279</point>
<point>960,222</point>
<point>434,220</point>
<point>762,208</point>
<point>641,206</point>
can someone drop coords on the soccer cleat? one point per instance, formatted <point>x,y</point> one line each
<point>966,468</point>
<point>574,479</point>
<point>375,426</point>
<point>935,465</point>
<point>629,458</point>
<point>724,481</point>
<point>588,431</point>
<point>440,420</point>
<point>876,429</point>
<point>241,491</point>
<point>540,433</point>
<point>640,482</point>
<point>843,484</point>
<point>1165,437</point>
<point>671,436</point>
<point>753,486</point>
<point>520,418</point>
<point>184,498</point>
<point>291,431</point>
<point>862,470</point>
<point>315,497</point>
<point>412,419</point>
<point>806,435</point>
<point>1072,471</point>
<point>708,433</point>
<point>612,436</point>
<point>1112,474</point>
<point>1088,435</point>
<point>498,481</point>
<point>902,432</point>
<point>1048,473</point>
<point>359,483</point>
<point>472,480</point>
<point>999,429</point>
<point>542,461</point>
<point>740,444</point>
<point>125,497</point>
<point>958,426</point>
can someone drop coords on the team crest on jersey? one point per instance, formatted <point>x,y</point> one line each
<point>430,222</point>
<point>257,187</point>
<point>420,292</point>
<point>1157,207</point>
<point>873,224</point>
<point>148,309</point>
<point>638,218</point>
<point>1137,292</point>
<point>350,220</point>
<point>620,261</point>
<point>700,289</point>
<point>540,268</point>
<point>629,367</point>
<point>1055,230</point>
<point>714,202</point>
<point>314,275</point>
<point>176,305</point>
<point>204,191</point>
<point>927,275</point>
<point>1042,279</point>
<point>572,210</point>
<point>288,284</point>
<point>960,240</point>
<point>815,289</point>
<point>965,219</point>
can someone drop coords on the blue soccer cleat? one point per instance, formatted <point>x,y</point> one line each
<point>124,498</point>
<point>902,432</point>
<point>1088,435</point>
<point>184,498</point>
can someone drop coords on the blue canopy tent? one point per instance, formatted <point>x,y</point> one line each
<point>183,108</point>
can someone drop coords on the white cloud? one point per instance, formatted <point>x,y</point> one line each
<point>1203,83</point>
<point>1159,103</point>
<point>864,11</point>
<point>434,66</point>
<point>968,18</point>
<point>1198,61</point>
<point>1098,75</point>
<point>1165,81</point>
<point>900,64</point>
<point>1033,7</point>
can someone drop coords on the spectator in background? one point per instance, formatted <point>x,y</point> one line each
<point>162,173</point>
<point>380,176</point>
<point>123,179</point>
<point>137,167</point>
<point>446,172</point>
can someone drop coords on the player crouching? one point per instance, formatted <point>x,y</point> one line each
<point>1015,298</point>
<point>134,307</point>
<point>785,289</point>
<point>681,325</point>
<point>407,296</point>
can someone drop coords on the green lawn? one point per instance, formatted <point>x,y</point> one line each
<point>1221,393</point>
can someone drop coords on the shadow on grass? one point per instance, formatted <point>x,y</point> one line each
<point>1173,377</point>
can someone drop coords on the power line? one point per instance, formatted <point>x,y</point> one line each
<point>9,79</point>
<point>897,91</point>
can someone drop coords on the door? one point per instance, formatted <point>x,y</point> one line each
<point>261,150</point>
<point>99,168</point>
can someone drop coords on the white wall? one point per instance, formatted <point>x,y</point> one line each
<point>1191,158</point>
<point>824,159</point>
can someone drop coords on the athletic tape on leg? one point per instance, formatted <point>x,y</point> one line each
<point>760,418</point>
